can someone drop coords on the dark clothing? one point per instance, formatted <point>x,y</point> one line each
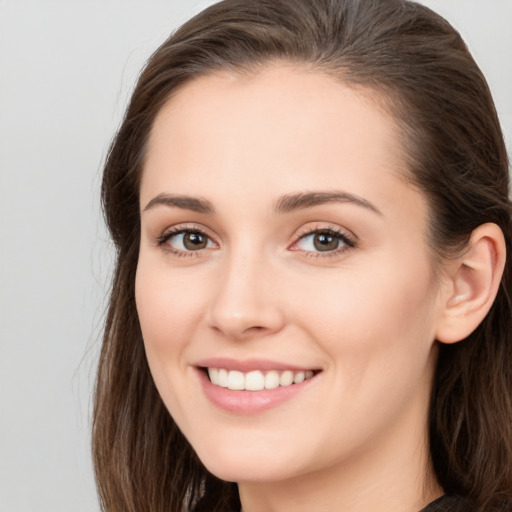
<point>449,503</point>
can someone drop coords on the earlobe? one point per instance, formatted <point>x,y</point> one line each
<point>472,284</point>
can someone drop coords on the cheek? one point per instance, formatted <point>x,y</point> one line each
<point>169,308</point>
<point>168,305</point>
<point>377,334</point>
<point>380,318</point>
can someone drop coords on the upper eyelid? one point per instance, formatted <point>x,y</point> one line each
<point>349,239</point>
<point>337,230</point>
<point>183,228</point>
<point>171,231</point>
<point>162,242</point>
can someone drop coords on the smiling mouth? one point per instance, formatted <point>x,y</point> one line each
<point>256,380</point>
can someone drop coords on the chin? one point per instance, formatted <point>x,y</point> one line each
<point>249,465</point>
<point>232,471</point>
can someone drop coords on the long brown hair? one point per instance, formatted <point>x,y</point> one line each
<point>456,156</point>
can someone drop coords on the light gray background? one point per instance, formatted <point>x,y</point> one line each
<point>66,70</point>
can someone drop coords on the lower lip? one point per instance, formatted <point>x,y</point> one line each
<point>250,402</point>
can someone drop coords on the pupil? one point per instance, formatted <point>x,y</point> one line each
<point>325,242</point>
<point>194,241</point>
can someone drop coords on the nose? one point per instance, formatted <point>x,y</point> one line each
<point>246,301</point>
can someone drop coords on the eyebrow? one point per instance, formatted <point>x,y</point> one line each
<point>299,201</point>
<point>285,204</point>
<point>184,202</point>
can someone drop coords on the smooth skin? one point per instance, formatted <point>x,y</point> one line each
<point>225,270</point>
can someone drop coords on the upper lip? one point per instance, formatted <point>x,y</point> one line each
<point>247,365</point>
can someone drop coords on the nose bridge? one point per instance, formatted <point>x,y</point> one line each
<point>244,302</point>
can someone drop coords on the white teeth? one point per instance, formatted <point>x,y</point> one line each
<point>223,378</point>
<point>286,378</point>
<point>271,380</point>
<point>236,380</point>
<point>213,373</point>
<point>256,380</point>
<point>299,377</point>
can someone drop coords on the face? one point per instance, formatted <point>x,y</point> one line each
<point>283,253</point>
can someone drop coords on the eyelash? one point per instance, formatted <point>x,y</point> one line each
<point>347,241</point>
<point>162,240</point>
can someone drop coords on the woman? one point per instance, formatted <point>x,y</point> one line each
<point>310,309</point>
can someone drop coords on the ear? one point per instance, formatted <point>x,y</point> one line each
<point>471,284</point>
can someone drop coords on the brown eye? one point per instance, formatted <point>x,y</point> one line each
<point>187,241</point>
<point>325,242</point>
<point>194,241</point>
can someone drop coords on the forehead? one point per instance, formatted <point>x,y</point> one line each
<point>286,124</point>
